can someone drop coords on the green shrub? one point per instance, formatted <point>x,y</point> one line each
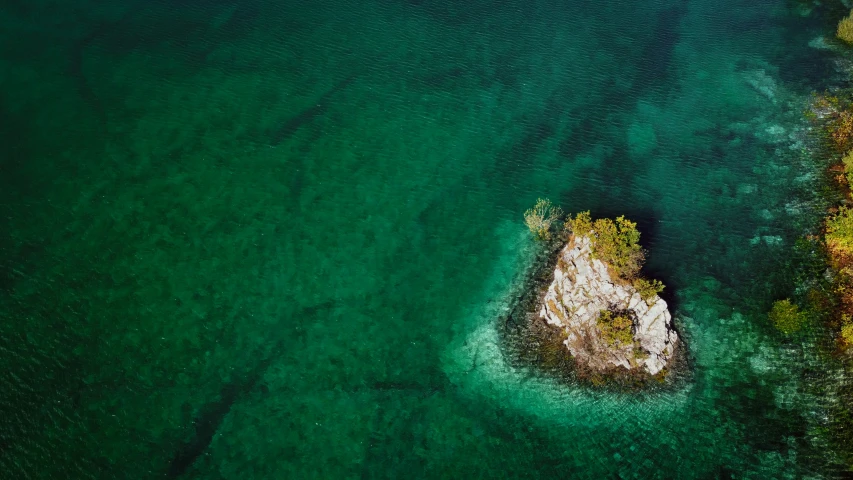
<point>581,225</point>
<point>616,244</point>
<point>786,317</point>
<point>648,288</point>
<point>847,330</point>
<point>839,234</point>
<point>847,160</point>
<point>840,129</point>
<point>845,29</point>
<point>847,334</point>
<point>541,217</point>
<point>615,328</point>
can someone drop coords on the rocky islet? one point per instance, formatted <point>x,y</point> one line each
<point>582,288</point>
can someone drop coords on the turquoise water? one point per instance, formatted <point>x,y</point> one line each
<point>270,240</point>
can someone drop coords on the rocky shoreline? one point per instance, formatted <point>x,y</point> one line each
<point>529,341</point>
<point>607,321</point>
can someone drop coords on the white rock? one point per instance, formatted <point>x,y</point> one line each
<point>820,43</point>
<point>583,268</point>
<point>579,303</point>
<point>772,239</point>
<point>635,299</point>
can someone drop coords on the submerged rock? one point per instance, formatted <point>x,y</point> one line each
<point>583,288</point>
<point>763,83</point>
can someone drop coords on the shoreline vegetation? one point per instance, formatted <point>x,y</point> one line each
<point>821,302</point>
<point>828,298</point>
<point>614,242</point>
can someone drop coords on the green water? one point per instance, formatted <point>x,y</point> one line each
<point>311,217</point>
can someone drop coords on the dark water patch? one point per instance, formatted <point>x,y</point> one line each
<point>8,277</point>
<point>205,425</point>
<point>43,388</point>
<point>18,7</point>
<point>320,106</point>
<point>76,71</point>
<point>19,260</point>
<point>209,419</point>
<point>581,135</point>
<point>185,30</point>
<point>538,130</point>
<point>397,425</point>
<point>767,427</point>
<point>394,434</point>
<point>445,79</point>
<point>505,70</point>
<point>810,69</point>
<point>655,59</point>
<point>16,150</point>
<point>112,34</point>
<point>245,18</point>
<point>535,135</point>
<point>149,29</point>
<point>617,176</point>
<point>448,12</point>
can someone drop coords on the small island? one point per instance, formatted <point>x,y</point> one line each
<point>613,321</point>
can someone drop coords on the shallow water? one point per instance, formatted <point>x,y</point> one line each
<point>298,226</point>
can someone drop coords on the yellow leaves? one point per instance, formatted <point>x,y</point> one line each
<point>839,236</point>
<point>847,331</point>
<point>616,244</point>
<point>648,289</point>
<point>838,113</point>
<point>847,160</point>
<point>541,217</point>
<point>581,225</point>
<point>615,328</point>
<point>841,130</point>
<point>786,317</point>
<point>826,101</point>
<point>845,29</point>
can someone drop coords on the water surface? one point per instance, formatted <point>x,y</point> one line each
<point>271,240</point>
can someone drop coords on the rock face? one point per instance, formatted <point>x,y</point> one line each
<point>581,289</point>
